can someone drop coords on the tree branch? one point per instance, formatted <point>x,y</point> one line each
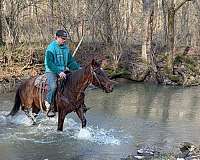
<point>180,5</point>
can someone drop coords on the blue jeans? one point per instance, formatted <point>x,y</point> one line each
<point>51,80</point>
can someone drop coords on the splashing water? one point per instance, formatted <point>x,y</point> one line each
<point>46,130</point>
<point>3,119</point>
<point>20,119</point>
<point>102,136</point>
<point>84,134</point>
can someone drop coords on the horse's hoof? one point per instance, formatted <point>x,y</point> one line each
<point>34,123</point>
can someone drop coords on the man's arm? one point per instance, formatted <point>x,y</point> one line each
<point>72,64</point>
<point>50,64</point>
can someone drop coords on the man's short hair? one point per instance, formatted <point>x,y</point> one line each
<point>62,33</point>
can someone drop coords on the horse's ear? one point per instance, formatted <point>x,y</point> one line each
<point>94,63</point>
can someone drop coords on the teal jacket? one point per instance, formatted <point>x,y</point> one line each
<point>58,57</point>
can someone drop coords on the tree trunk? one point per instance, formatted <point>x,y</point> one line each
<point>171,16</point>
<point>151,54</point>
<point>185,26</point>
<point>146,39</point>
<point>1,27</point>
<point>51,8</point>
<point>171,24</point>
<point>196,5</point>
<point>165,21</point>
<point>108,28</point>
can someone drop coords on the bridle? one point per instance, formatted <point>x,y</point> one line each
<point>94,75</point>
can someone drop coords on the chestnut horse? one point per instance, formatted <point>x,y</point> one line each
<point>69,95</point>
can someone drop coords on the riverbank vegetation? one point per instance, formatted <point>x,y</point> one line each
<point>147,41</point>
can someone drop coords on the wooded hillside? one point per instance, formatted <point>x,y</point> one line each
<point>153,26</point>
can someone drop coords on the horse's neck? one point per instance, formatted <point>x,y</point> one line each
<point>79,81</point>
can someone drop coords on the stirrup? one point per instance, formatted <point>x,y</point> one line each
<point>51,113</point>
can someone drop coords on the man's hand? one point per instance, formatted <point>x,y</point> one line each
<point>62,75</point>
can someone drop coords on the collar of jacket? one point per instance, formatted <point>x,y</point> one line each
<point>60,46</point>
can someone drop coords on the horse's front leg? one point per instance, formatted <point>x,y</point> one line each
<point>81,115</point>
<point>62,104</point>
<point>61,118</point>
<point>29,114</point>
<point>35,111</point>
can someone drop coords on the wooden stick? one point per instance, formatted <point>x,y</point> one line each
<point>78,46</point>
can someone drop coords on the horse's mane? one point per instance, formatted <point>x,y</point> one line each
<point>72,79</point>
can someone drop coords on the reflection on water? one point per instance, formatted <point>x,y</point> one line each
<point>132,115</point>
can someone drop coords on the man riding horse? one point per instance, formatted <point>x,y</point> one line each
<point>57,59</point>
<point>69,95</point>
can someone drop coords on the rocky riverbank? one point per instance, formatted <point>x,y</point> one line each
<point>186,151</point>
<point>185,71</point>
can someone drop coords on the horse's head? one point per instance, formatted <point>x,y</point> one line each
<point>100,78</point>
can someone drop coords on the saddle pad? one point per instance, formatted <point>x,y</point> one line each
<point>40,80</point>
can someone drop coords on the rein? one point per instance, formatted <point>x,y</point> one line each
<point>95,75</point>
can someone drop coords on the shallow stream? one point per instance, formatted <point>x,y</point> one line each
<point>132,116</point>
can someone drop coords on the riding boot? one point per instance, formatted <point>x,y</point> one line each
<point>51,111</point>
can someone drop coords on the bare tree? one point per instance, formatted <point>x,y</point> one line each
<point>172,9</point>
<point>164,20</point>
<point>51,17</point>
<point>185,40</point>
<point>12,12</point>
<point>146,39</point>
<point>113,22</point>
<point>1,27</point>
<point>196,5</point>
<point>107,20</point>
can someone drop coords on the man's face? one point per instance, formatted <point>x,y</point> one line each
<point>61,40</point>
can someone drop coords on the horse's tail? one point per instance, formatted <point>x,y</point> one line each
<point>17,104</point>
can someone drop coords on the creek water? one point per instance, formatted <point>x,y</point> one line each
<point>132,116</point>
